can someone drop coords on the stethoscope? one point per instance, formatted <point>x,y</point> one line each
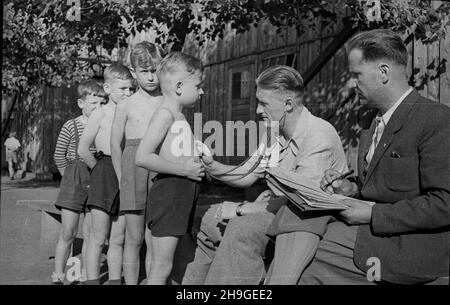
<point>261,153</point>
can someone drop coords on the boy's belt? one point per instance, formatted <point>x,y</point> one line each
<point>100,155</point>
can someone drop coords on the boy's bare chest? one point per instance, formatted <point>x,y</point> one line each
<point>179,141</point>
<point>107,120</point>
<point>141,113</point>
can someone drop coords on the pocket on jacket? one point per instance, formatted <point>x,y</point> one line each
<point>401,174</point>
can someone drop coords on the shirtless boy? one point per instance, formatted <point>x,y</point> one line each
<point>175,189</point>
<point>131,119</point>
<point>103,194</point>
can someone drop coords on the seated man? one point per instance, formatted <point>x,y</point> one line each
<point>308,145</point>
<point>399,229</point>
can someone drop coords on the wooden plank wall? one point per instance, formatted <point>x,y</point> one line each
<point>444,79</point>
<point>38,124</point>
<point>251,47</point>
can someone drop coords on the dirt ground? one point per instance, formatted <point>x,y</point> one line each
<point>21,258</point>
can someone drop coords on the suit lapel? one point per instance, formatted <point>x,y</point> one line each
<point>396,122</point>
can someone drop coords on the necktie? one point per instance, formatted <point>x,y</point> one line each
<point>375,138</point>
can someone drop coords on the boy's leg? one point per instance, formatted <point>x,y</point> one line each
<point>115,249</point>
<point>163,250</point>
<point>293,252</point>
<point>11,168</point>
<point>87,224</point>
<point>148,254</point>
<point>99,233</point>
<point>134,236</point>
<point>67,234</point>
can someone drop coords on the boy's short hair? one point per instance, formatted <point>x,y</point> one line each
<point>90,87</point>
<point>281,78</point>
<point>380,44</point>
<point>146,54</point>
<point>177,62</point>
<point>116,71</point>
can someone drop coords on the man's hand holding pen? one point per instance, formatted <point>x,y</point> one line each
<point>334,182</point>
<point>358,211</point>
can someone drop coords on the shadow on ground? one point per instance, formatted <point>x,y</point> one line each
<point>32,183</point>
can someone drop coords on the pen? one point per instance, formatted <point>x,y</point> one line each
<point>343,176</point>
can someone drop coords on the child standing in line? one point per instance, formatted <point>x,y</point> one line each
<point>12,146</point>
<point>103,194</point>
<point>172,155</point>
<point>74,184</point>
<point>131,120</point>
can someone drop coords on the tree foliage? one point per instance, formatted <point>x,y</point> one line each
<point>37,51</point>
<point>41,46</point>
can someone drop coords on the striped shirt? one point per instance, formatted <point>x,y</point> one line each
<point>66,149</point>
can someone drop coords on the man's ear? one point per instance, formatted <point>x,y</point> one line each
<point>385,71</point>
<point>107,88</point>
<point>178,88</point>
<point>289,104</point>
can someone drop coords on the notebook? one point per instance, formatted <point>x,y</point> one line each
<point>303,192</point>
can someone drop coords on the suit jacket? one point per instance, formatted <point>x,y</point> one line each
<point>409,179</point>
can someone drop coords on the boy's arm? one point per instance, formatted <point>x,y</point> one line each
<point>62,145</point>
<point>117,134</point>
<point>146,155</point>
<point>88,137</point>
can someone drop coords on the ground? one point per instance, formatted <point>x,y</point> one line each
<point>21,259</point>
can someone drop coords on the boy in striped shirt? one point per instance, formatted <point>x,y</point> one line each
<point>73,190</point>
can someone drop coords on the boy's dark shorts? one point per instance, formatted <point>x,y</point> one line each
<point>74,186</point>
<point>103,192</point>
<point>172,205</point>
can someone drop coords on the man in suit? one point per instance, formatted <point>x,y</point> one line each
<point>399,220</point>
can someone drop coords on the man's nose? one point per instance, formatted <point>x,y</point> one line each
<point>352,83</point>
<point>201,92</point>
<point>259,109</point>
